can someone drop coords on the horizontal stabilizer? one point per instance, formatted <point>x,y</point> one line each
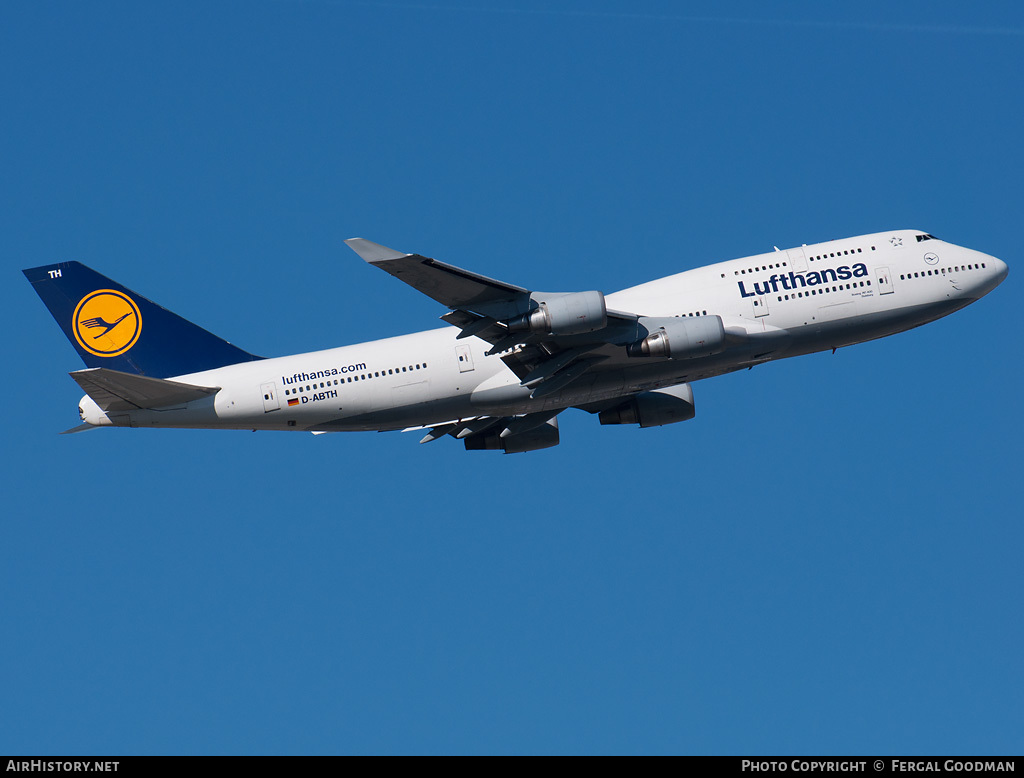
<point>113,390</point>
<point>79,428</point>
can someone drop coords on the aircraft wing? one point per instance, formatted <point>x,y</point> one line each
<point>445,283</point>
<point>500,313</point>
<point>472,297</point>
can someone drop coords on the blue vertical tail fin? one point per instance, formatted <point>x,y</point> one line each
<point>113,327</point>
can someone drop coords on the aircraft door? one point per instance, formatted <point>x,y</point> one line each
<point>797,260</point>
<point>465,356</point>
<point>884,280</point>
<point>270,401</point>
<point>760,306</point>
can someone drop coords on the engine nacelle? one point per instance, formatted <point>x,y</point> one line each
<point>683,338</point>
<point>654,409</point>
<point>570,314</point>
<point>544,436</point>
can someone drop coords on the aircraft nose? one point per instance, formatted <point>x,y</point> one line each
<point>995,272</point>
<point>1000,269</point>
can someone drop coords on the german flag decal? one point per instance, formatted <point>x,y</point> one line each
<point>293,401</point>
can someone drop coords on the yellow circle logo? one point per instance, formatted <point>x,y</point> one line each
<point>107,323</point>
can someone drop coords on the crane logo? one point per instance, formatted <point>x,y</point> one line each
<point>107,323</point>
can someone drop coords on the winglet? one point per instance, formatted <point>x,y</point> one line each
<point>373,252</point>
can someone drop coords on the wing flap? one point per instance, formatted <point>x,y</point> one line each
<point>113,390</point>
<point>561,379</point>
<point>483,327</point>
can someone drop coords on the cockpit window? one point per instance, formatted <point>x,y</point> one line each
<point>925,237</point>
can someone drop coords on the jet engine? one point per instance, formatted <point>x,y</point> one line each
<point>683,338</point>
<point>570,314</point>
<point>544,436</point>
<point>654,409</point>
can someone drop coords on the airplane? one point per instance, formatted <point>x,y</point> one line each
<point>509,359</point>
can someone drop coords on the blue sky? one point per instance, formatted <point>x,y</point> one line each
<point>826,560</point>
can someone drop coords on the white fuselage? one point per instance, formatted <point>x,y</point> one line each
<point>783,303</point>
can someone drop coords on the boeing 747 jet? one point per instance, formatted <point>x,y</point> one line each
<point>509,359</point>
